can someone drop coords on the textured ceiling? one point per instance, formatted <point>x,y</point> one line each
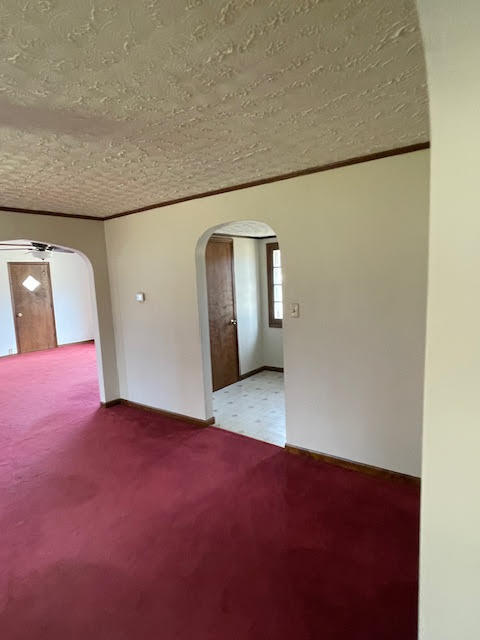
<point>107,105</point>
<point>250,228</point>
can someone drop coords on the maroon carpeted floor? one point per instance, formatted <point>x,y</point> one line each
<point>116,523</point>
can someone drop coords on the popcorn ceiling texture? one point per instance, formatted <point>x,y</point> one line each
<point>107,105</point>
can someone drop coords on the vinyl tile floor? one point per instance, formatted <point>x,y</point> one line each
<point>254,407</point>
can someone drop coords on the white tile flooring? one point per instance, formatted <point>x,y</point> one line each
<point>254,407</point>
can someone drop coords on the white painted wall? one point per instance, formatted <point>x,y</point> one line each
<point>71,299</point>
<point>248,304</point>
<point>258,344</point>
<point>88,238</point>
<point>354,246</point>
<point>272,336</point>
<point>450,524</point>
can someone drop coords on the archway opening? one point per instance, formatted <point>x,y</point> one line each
<point>48,318</point>
<point>241,315</point>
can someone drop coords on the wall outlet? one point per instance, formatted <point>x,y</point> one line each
<point>10,352</point>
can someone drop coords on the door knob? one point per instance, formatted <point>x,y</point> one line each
<point>233,321</point>
<point>19,315</point>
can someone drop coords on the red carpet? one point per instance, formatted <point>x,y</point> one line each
<point>117,523</point>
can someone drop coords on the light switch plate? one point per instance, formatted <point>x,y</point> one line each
<point>140,296</point>
<point>294,310</point>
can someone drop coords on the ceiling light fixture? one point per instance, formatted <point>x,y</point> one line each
<point>40,254</point>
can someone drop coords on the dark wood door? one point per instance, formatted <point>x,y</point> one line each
<point>32,304</point>
<point>221,312</point>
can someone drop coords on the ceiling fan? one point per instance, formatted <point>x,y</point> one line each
<point>38,250</point>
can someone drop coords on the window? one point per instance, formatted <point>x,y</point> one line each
<point>275,291</point>
<point>31,283</point>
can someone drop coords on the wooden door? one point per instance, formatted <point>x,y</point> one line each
<point>32,304</point>
<point>221,312</point>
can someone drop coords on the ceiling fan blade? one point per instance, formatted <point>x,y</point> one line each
<point>8,244</point>
<point>34,246</point>
<point>52,247</point>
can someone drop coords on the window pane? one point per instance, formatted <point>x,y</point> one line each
<point>278,311</point>
<point>277,293</point>
<point>31,283</point>
<point>276,258</point>
<point>277,276</point>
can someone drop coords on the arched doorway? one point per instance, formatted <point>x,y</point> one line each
<point>241,315</point>
<point>47,301</point>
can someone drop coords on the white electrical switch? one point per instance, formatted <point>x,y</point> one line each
<point>294,310</point>
<point>140,296</point>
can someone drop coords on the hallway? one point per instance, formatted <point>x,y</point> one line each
<point>119,524</point>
